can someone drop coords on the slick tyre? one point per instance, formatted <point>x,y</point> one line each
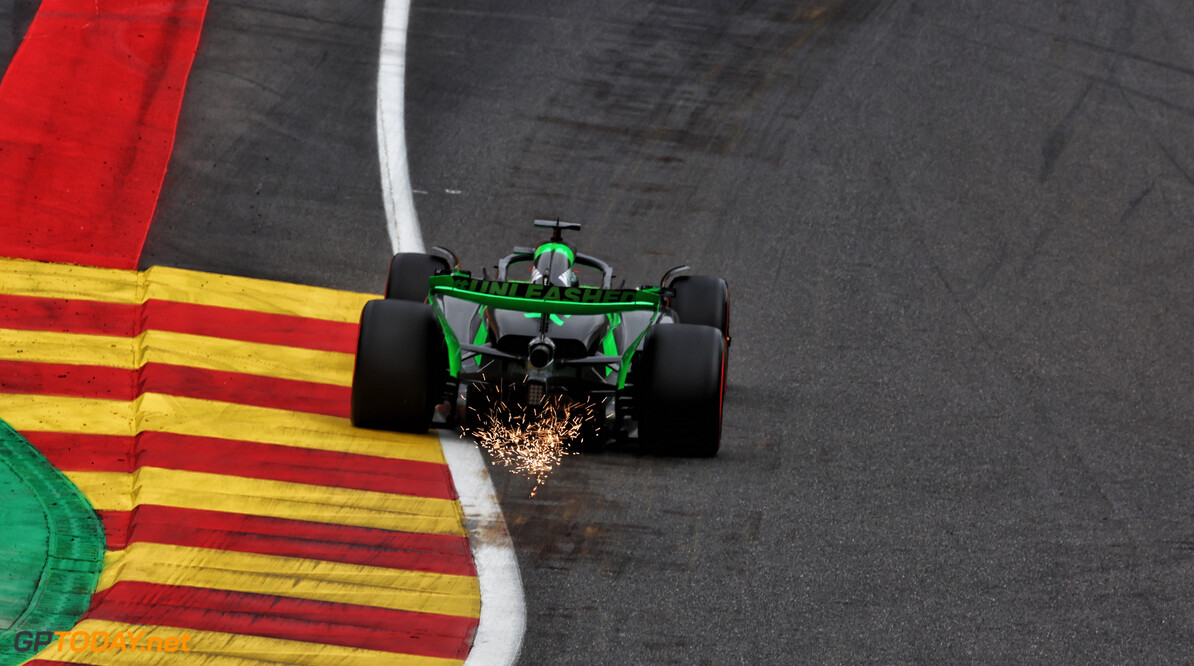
<point>702,300</point>
<point>400,369</point>
<point>682,376</point>
<point>409,271</point>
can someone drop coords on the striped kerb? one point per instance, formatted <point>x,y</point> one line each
<point>205,418</point>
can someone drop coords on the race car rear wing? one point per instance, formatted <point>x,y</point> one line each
<point>540,299</point>
<point>545,299</point>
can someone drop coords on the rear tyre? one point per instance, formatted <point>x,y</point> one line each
<point>409,272</point>
<point>681,374</point>
<point>401,366</point>
<point>702,300</point>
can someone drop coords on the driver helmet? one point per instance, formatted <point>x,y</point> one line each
<point>553,265</point>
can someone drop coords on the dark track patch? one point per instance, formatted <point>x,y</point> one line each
<point>275,167</point>
<point>15,17</point>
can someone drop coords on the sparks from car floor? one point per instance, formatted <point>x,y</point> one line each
<point>530,443</point>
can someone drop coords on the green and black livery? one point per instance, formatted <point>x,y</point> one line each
<point>650,361</point>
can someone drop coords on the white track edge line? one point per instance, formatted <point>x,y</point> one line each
<point>402,221</point>
<point>503,610</point>
<point>498,640</point>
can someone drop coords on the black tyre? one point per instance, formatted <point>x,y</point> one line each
<point>681,375</point>
<point>401,366</point>
<point>408,276</point>
<point>702,300</point>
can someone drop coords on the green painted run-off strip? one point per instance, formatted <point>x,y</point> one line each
<point>52,550</point>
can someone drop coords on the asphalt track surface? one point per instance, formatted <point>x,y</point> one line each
<point>959,241</point>
<point>275,171</point>
<point>15,17</point>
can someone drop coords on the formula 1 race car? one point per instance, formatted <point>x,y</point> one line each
<point>647,362</point>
